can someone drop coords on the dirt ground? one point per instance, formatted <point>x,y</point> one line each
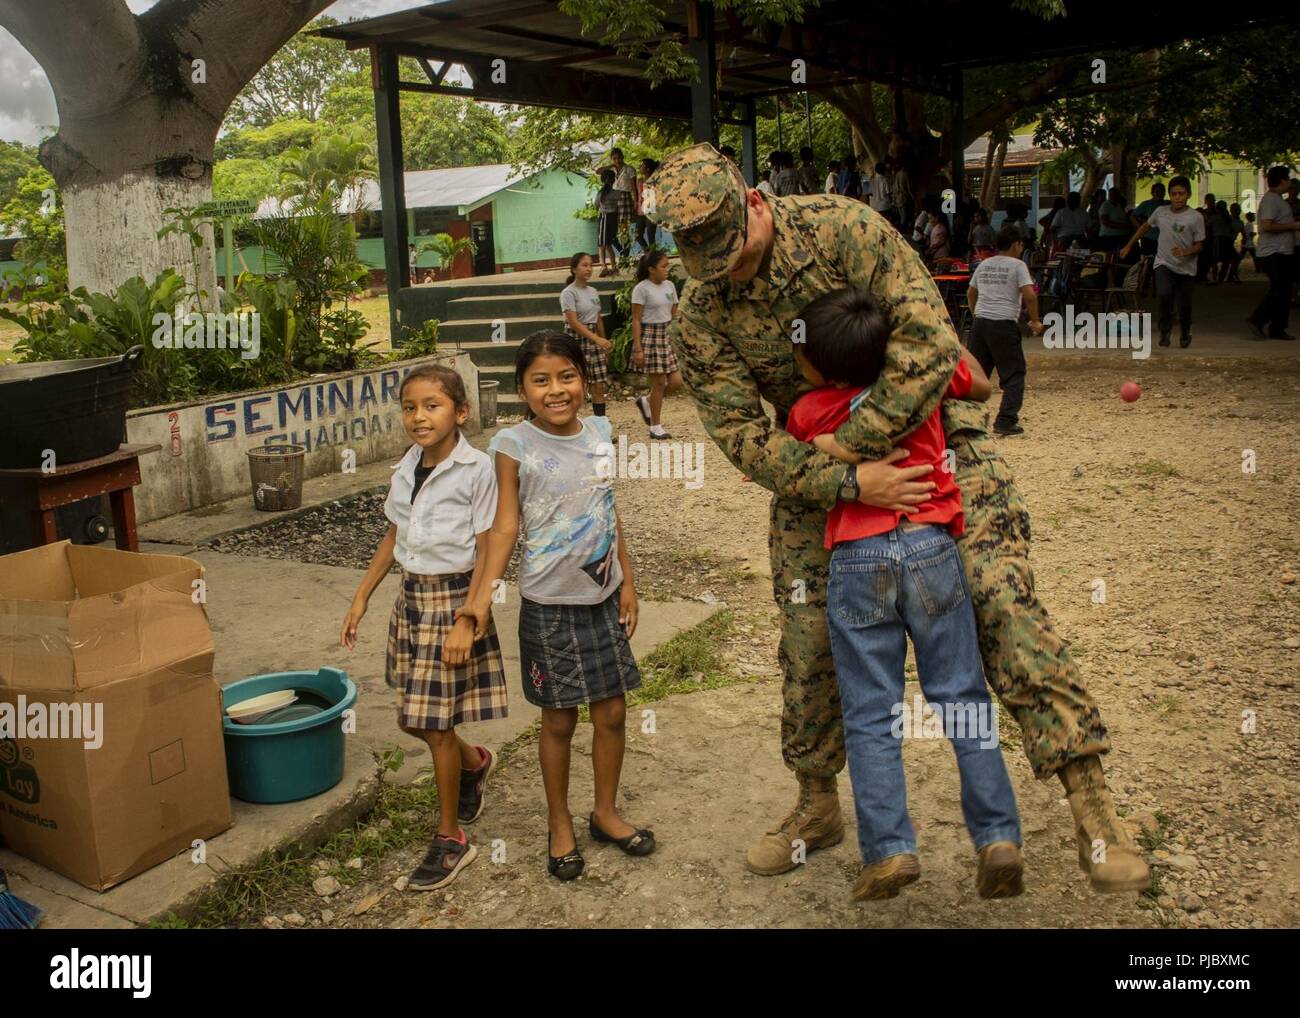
<point>1197,639</point>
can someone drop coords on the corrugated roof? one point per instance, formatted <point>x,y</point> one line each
<point>1021,151</point>
<point>450,187</point>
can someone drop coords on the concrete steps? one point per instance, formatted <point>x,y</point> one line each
<point>478,312</point>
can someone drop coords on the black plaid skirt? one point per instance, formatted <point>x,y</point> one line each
<point>434,697</point>
<point>626,201</point>
<point>596,358</point>
<point>571,654</point>
<point>658,348</point>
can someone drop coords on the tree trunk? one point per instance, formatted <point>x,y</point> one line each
<point>989,194</point>
<point>140,100</point>
<point>112,229</point>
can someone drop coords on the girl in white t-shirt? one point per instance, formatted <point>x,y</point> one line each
<point>578,607</point>
<point>441,504</point>
<point>654,306</point>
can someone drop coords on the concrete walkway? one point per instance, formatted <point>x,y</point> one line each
<point>275,615</point>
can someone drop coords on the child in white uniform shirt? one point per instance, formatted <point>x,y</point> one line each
<point>654,305</point>
<point>440,508</point>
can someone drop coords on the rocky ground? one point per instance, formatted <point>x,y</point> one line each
<point>1192,654</point>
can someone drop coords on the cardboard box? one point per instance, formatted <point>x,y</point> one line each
<point>111,752</point>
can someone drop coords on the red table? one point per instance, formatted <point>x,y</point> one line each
<point>113,475</point>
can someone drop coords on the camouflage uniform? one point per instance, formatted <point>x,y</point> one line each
<point>734,343</point>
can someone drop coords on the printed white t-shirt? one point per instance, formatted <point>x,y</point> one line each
<point>1181,230</point>
<point>566,497</point>
<point>997,281</point>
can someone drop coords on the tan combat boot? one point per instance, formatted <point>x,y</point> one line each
<point>884,879</point>
<point>1107,852</point>
<point>815,820</point>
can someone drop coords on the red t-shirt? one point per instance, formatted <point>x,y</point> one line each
<point>822,411</point>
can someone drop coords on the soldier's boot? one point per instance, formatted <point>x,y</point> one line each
<point>815,821</point>
<point>1107,852</point>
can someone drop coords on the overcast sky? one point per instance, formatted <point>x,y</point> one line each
<point>27,110</point>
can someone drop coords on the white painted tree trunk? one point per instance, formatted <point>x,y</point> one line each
<point>112,231</point>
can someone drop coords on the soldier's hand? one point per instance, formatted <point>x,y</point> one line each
<point>889,487</point>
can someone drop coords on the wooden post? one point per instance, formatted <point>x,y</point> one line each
<point>749,143</point>
<point>699,20</point>
<point>956,115</point>
<point>392,189</point>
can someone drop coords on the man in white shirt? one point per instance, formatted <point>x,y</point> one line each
<point>996,289</point>
<point>880,199</point>
<point>1275,255</point>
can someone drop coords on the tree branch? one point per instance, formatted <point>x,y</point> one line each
<point>91,51</point>
<point>1013,104</point>
<point>235,39</point>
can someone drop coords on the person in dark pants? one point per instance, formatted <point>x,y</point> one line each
<point>1181,239</point>
<point>996,289</point>
<point>1275,256</point>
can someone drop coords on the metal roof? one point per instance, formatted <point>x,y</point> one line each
<point>453,187</point>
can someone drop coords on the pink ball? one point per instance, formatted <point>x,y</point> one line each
<point>1129,392</point>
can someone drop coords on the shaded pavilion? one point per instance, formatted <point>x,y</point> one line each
<point>528,52</point>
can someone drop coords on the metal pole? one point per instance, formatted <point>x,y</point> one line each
<point>699,16</point>
<point>807,116</point>
<point>749,143</point>
<point>228,238</point>
<point>780,140</point>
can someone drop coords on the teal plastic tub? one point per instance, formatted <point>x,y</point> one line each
<point>287,756</point>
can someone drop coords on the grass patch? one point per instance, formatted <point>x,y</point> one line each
<point>1156,468</point>
<point>405,815</point>
<point>1166,705</point>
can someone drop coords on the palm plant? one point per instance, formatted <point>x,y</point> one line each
<point>448,248</point>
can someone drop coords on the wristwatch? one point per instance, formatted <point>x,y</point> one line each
<point>849,489</point>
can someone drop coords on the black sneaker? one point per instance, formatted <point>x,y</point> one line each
<point>1008,429</point>
<point>1164,340</point>
<point>470,804</point>
<point>443,862</point>
<point>1256,330</point>
<point>1185,340</point>
<point>1283,335</point>
<point>659,436</point>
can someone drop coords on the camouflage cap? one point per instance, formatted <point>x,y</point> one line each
<point>698,195</point>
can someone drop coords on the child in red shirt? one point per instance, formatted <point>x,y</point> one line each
<point>894,576</point>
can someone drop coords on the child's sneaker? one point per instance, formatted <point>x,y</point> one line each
<point>472,783</point>
<point>1001,870</point>
<point>445,859</point>
<point>884,879</point>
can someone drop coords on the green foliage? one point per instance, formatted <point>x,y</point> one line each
<point>421,342</point>
<point>35,213</point>
<point>16,161</point>
<point>447,248</point>
<point>330,174</point>
<point>83,324</point>
<point>296,79</point>
<point>437,130</point>
<point>266,142</point>
<point>247,179</point>
<point>318,252</point>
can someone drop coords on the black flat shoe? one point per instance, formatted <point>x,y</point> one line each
<point>564,867</point>
<point>640,842</point>
<point>1184,341</point>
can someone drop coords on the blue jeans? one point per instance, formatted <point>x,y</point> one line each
<point>882,589</point>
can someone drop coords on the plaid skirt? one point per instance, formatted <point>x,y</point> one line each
<point>658,348</point>
<point>626,201</point>
<point>571,654</point>
<point>596,358</point>
<point>434,697</point>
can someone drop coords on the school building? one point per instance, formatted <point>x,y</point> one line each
<point>517,221</point>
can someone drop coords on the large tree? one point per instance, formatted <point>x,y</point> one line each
<point>140,99</point>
